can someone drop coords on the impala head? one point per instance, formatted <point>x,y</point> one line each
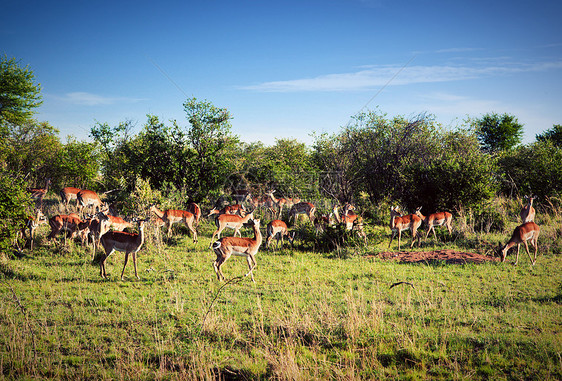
<point>501,251</point>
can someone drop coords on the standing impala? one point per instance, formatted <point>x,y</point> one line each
<point>399,223</point>
<point>87,198</point>
<point>172,216</point>
<point>302,208</point>
<point>278,229</point>
<point>229,209</point>
<point>67,194</point>
<point>436,219</point>
<point>243,247</point>
<point>351,220</point>
<point>231,221</point>
<point>528,212</point>
<point>522,234</point>
<point>129,243</point>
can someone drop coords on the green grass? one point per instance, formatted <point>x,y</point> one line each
<point>308,316</point>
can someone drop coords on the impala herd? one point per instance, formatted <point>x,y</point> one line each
<point>102,228</point>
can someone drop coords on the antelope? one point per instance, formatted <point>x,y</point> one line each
<point>243,247</point>
<point>350,220</point>
<point>231,221</point>
<point>96,227</point>
<point>399,223</point>
<point>129,243</point>
<point>436,219</point>
<point>171,216</point>
<point>88,198</point>
<point>528,212</point>
<point>117,223</point>
<point>31,224</point>
<point>194,209</point>
<point>279,202</point>
<point>63,222</point>
<point>229,209</point>
<point>241,195</point>
<point>67,194</point>
<point>278,229</point>
<point>302,208</point>
<point>522,234</point>
<point>39,193</point>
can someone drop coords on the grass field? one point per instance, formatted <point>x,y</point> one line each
<point>308,316</point>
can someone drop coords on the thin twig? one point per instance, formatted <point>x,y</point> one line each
<point>238,278</point>
<point>399,283</point>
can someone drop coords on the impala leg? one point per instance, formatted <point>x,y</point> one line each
<point>536,245</point>
<point>250,259</point>
<point>135,264</point>
<point>399,236</point>
<point>529,254</point>
<point>391,237</point>
<point>125,264</point>
<point>517,257</point>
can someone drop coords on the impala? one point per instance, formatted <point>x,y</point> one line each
<point>129,243</point>
<point>302,208</point>
<point>231,221</point>
<point>39,193</point>
<point>241,195</point>
<point>32,223</point>
<point>117,223</point>
<point>194,209</point>
<point>243,247</point>
<point>63,223</point>
<point>87,198</point>
<point>399,223</point>
<point>350,220</point>
<point>97,227</point>
<point>281,202</point>
<point>278,229</point>
<point>522,234</point>
<point>172,216</point>
<point>67,194</point>
<point>528,212</point>
<point>229,209</point>
<point>436,219</point>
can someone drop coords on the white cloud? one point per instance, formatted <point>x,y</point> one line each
<point>88,99</point>
<point>376,76</point>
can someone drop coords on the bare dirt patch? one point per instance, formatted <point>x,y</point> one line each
<point>446,256</point>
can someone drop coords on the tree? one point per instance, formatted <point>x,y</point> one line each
<point>498,132</point>
<point>19,95</point>
<point>554,135</point>
<point>212,148</point>
<point>14,206</point>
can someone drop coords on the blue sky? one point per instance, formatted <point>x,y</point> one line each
<point>285,69</point>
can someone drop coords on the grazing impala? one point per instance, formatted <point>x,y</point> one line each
<point>231,221</point>
<point>528,212</point>
<point>399,223</point>
<point>87,198</point>
<point>436,219</point>
<point>67,194</point>
<point>522,234</point>
<point>243,247</point>
<point>39,193</point>
<point>117,223</point>
<point>129,243</point>
<point>278,229</point>
<point>63,223</point>
<point>171,216</point>
<point>302,208</point>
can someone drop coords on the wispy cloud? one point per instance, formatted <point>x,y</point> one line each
<point>375,76</point>
<point>88,99</point>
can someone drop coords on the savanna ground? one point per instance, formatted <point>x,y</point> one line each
<point>357,312</point>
